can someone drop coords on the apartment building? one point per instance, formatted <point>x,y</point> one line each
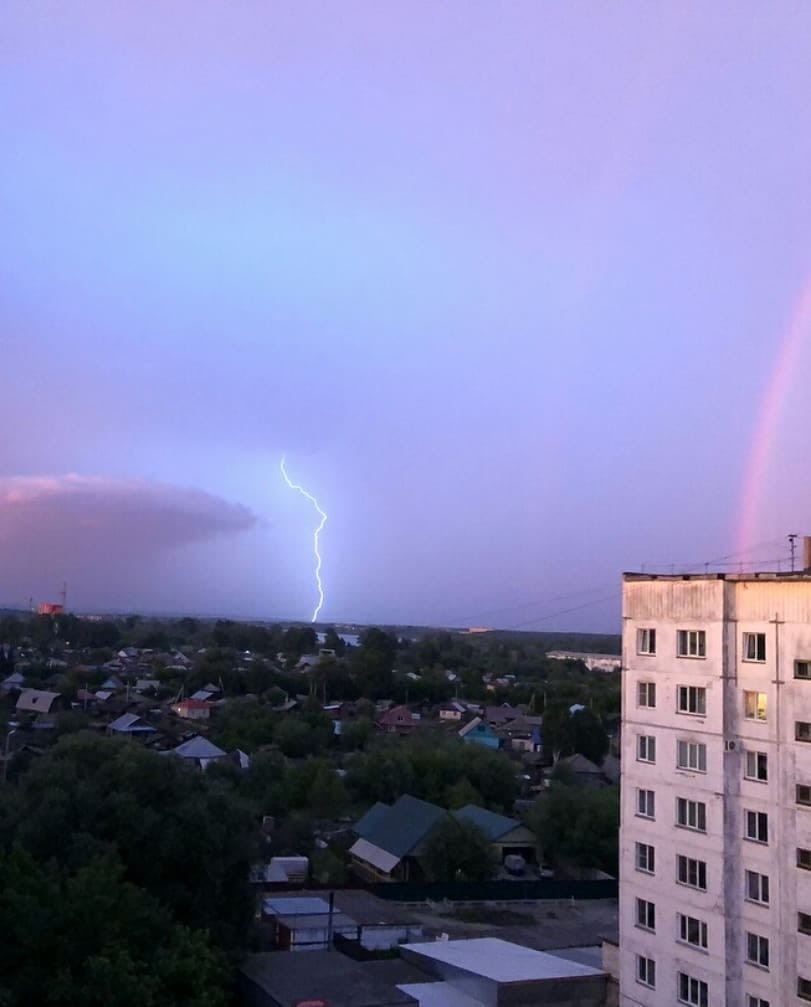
<point>715,861</point>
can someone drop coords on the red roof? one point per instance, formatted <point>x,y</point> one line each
<point>193,704</point>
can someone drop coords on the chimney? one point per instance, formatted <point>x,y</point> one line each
<point>807,553</point>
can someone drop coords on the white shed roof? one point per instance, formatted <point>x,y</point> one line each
<point>502,961</point>
<point>383,861</point>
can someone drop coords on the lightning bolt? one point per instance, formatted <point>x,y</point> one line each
<point>316,534</point>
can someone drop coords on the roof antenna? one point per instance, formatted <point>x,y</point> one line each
<point>792,544</point>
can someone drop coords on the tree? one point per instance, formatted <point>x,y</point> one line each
<point>460,794</point>
<point>89,937</point>
<point>187,842</point>
<point>578,826</point>
<point>458,850</point>
<point>589,736</point>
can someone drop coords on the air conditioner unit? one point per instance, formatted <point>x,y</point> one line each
<point>729,746</point>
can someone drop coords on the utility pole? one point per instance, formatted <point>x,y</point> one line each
<point>792,544</point>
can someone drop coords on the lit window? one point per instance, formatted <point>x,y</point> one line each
<point>804,794</point>
<point>692,931</point>
<point>646,971</point>
<point>691,814</point>
<point>645,859</point>
<point>692,991</point>
<point>645,914</point>
<point>646,641</point>
<point>757,887</point>
<point>756,826</point>
<point>754,647</point>
<point>692,873</point>
<point>757,766</point>
<point>757,950</point>
<point>691,643</point>
<point>691,699</point>
<point>691,755</point>
<point>804,923</point>
<point>802,730</point>
<point>646,803</point>
<point>802,669</point>
<point>646,748</point>
<point>646,694</point>
<point>754,705</point>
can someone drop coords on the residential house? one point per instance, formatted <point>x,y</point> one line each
<point>38,701</point>
<point>500,715</point>
<point>523,733</point>
<point>585,772</point>
<point>594,662</point>
<point>479,733</point>
<point>507,835</point>
<point>192,709</point>
<point>13,682</point>
<point>391,839</point>
<point>129,723</point>
<point>198,750</point>
<point>397,720</point>
<point>453,711</point>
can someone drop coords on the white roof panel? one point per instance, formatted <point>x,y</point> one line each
<point>501,961</point>
<point>383,861</point>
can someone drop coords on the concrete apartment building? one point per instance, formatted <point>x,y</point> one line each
<point>715,851</point>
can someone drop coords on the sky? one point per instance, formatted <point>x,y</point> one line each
<point>510,285</point>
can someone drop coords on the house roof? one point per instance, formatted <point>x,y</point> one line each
<point>201,694</point>
<point>476,723</point>
<point>383,861</point>
<point>128,723</point>
<point>580,764</point>
<point>36,700</point>
<point>501,714</point>
<point>403,826</point>
<point>191,704</point>
<point>365,825</point>
<point>492,825</point>
<point>198,748</point>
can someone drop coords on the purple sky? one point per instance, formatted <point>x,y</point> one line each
<point>506,283</point>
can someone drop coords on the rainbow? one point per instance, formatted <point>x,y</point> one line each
<point>769,416</point>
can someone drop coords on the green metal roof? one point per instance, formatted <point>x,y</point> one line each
<point>492,825</point>
<point>398,829</point>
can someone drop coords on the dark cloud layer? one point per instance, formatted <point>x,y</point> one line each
<point>102,529</point>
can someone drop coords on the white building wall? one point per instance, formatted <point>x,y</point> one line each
<point>725,608</point>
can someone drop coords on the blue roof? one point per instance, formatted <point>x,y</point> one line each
<point>492,825</point>
<point>398,829</point>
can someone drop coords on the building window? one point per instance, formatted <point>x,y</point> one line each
<point>645,860</point>
<point>754,705</point>
<point>804,794</point>
<point>757,766</point>
<point>646,641</point>
<point>645,914</point>
<point>802,730</point>
<point>754,647</point>
<point>691,643</point>
<point>803,988</point>
<point>646,971</point>
<point>755,1001</point>
<point>646,803</point>
<point>646,694</point>
<point>646,748</point>
<point>691,814</point>
<point>692,991</point>
<point>692,931</point>
<point>756,826</point>
<point>757,887</point>
<point>691,755</point>
<point>691,699</point>
<point>692,873</point>
<point>757,950</point>
<point>804,859</point>
<point>802,669</point>
<point>804,923</point>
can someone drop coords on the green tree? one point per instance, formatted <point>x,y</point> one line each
<point>458,850</point>
<point>188,843</point>
<point>89,937</point>
<point>578,826</point>
<point>589,737</point>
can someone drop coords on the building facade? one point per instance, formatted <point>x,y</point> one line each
<point>715,850</point>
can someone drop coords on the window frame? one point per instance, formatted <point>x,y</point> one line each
<point>646,971</point>
<point>698,695</point>
<point>646,915</point>
<point>646,803</point>
<point>700,752</point>
<point>803,988</point>
<point>646,690</point>
<point>648,743</point>
<point>700,998</point>
<point>756,716</point>
<point>759,818</point>
<point>646,852</point>
<point>697,810</point>
<point>756,777</point>
<point>646,637</point>
<point>684,922</point>
<point>756,639</point>
<point>685,636</point>
<point>803,859</point>
<point>802,731</point>
<point>753,1000</point>
<point>805,665</point>
<point>760,944</point>
<point>803,922</point>
<point>802,794</point>
<point>761,888</point>
<point>691,865</point>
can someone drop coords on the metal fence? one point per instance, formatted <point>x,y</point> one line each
<point>494,891</point>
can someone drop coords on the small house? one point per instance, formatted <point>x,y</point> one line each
<point>192,709</point>
<point>477,732</point>
<point>397,720</point>
<point>38,701</point>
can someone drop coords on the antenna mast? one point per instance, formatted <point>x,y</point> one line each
<point>792,544</point>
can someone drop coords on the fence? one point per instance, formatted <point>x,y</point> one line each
<point>495,891</point>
